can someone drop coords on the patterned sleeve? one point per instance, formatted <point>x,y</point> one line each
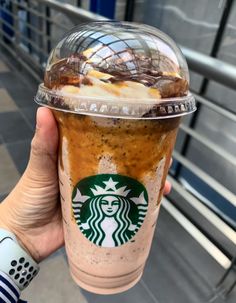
<point>9,292</point>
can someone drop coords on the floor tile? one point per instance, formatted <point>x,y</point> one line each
<point>30,114</point>
<point>10,80</point>
<point>59,252</point>
<point>19,152</point>
<point>13,127</point>
<point>6,102</point>
<point>21,93</point>
<point>3,67</point>
<point>8,172</point>
<point>53,284</point>
<point>23,98</point>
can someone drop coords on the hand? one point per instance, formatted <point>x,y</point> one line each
<point>32,210</point>
<point>167,187</point>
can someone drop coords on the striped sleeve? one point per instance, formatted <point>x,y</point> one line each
<point>9,292</point>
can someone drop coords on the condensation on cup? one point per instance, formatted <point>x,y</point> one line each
<point>118,92</point>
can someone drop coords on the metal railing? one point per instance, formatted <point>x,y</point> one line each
<point>211,68</point>
<point>46,20</point>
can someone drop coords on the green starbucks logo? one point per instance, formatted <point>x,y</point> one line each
<point>109,209</point>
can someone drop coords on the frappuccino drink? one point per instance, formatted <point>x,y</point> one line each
<point>118,91</point>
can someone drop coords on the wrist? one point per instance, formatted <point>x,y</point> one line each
<point>5,223</point>
<point>15,261</point>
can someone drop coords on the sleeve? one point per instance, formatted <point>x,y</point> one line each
<point>9,292</point>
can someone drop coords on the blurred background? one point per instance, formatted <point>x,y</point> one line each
<point>193,254</point>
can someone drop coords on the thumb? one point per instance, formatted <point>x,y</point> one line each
<point>43,155</point>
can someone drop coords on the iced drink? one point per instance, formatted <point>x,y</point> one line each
<point>118,92</point>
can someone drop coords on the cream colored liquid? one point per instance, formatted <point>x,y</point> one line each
<point>135,148</point>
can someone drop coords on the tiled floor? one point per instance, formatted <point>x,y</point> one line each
<point>16,130</point>
<point>178,269</point>
<point>7,104</point>
<point>9,174</point>
<point>54,284</point>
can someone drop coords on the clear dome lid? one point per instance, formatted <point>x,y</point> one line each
<point>101,65</point>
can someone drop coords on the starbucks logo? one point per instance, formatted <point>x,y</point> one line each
<point>109,209</point>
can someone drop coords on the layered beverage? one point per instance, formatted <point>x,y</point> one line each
<point>118,92</point>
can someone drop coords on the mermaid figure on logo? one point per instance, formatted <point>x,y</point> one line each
<point>111,221</point>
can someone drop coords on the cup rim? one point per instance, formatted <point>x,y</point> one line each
<point>128,108</point>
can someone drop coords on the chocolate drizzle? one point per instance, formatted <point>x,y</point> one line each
<point>72,71</point>
<point>66,72</point>
<point>171,86</point>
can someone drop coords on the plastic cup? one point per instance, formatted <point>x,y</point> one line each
<point>118,92</point>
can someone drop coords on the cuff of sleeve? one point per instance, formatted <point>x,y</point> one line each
<point>9,291</point>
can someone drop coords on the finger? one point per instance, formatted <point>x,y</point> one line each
<point>45,142</point>
<point>167,188</point>
<point>46,129</point>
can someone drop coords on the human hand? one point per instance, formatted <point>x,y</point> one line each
<point>32,210</point>
<point>167,187</point>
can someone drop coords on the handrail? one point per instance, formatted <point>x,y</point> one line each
<point>17,57</point>
<point>33,44</point>
<point>209,246</point>
<point>72,11</point>
<point>214,69</point>
<point>204,210</point>
<point>216,108</point>
<point>213,183</point>
<point>220,151</point>
<point>40,15</point>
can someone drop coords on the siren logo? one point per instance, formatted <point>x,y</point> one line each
<point>109,209</point>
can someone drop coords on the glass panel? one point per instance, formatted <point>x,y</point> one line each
<point>227,53</point>
<point>194,24</point>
